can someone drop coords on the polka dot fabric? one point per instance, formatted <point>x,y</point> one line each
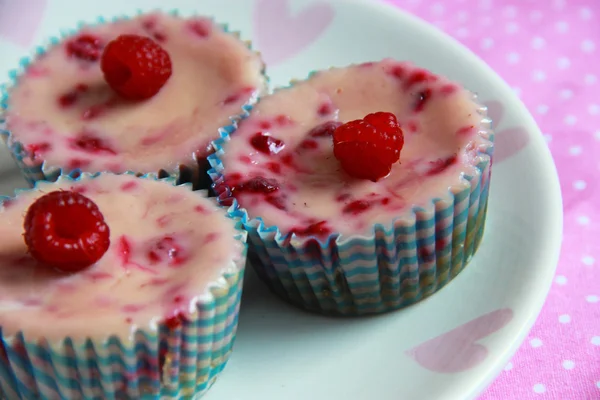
<point>549,52</point>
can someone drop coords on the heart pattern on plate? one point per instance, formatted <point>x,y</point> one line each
<point>508,142</point>
<point>458,350</point>
<point>282,34</point>
<point>19,20</point>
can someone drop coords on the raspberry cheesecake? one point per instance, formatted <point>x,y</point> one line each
<point>146,94</point>
<point>129,286</point>
<point>364,189</point>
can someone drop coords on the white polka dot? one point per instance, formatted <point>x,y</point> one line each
<point>542,109</point>
<point>595,341</point>
<point>518,91</point>
<point>509,11</point>
<point>548,138</point>
<point>597,135</point>
<point>462,16</point>
<point>562,26</point>
<point>559,4</point>
<point>570,119</point>
<point>535,343</point>
<point>587,46</point>
<point>535,15</point>
<point>564,319</point>
<point>592,298</point>
<point>563,63</point>
<point>437,8</point>
<point>590,79</point>
<point>508,366</point>
<point>485,4</point>
<point>585,13</point>
<point>513,57</point>
<point>598,384</point>
<point>568,364</point>
<point>539,75</point>
<point>462,32</point>
<point>512,27</point>
<point>538,42</point>
<point>583,220</point>
<point>565,94</point>
<point>588,260</point>
<point>539,388</point>
<point>487,43</point>
<point>579,185</point>
<point>561,280</point>
<point>594,109</point>
<point>575,150</point>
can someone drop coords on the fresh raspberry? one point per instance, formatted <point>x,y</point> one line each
<point>85,47</point>
<point>136,67</point>
<point>367,148</point>
<point>66,230</point>
<point>266,144</point>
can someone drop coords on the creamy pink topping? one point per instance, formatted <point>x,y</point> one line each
<point>441,124</point>
<point>168,246</point>
<point>63,111</point>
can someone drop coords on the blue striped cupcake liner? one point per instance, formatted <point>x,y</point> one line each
<point>34,170</point>
<point>153,363</point>
<point>394,266</point>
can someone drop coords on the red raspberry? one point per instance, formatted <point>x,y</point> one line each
<point>136,67</point>
<point>66,230</point>
<point>367,148</point>
<point>85,47</point>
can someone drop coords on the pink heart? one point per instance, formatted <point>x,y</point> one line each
<point>19,20</point>
<point>281,35</point>
<point>495,111</point>
<point>458,350</point>
<point>509,143</point>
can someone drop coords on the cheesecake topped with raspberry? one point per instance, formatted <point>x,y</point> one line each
<point>108,255</point>
<point>353,147</point>
<point>145,94</point>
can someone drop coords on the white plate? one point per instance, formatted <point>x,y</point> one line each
<point>282,353</point>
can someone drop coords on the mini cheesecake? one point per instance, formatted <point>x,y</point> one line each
<point>146,94</point>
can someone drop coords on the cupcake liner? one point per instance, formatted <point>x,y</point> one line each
<point>393,266</point>
<point>35,170</point>
<point>154,362</point>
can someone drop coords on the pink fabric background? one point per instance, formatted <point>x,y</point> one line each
<point>549,52</point>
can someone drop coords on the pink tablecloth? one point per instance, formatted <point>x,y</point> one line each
<point>549,52</point>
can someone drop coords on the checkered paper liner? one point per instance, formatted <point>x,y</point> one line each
<point>153,363</point>
<point>35,169</point>
<point>394,266</point>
